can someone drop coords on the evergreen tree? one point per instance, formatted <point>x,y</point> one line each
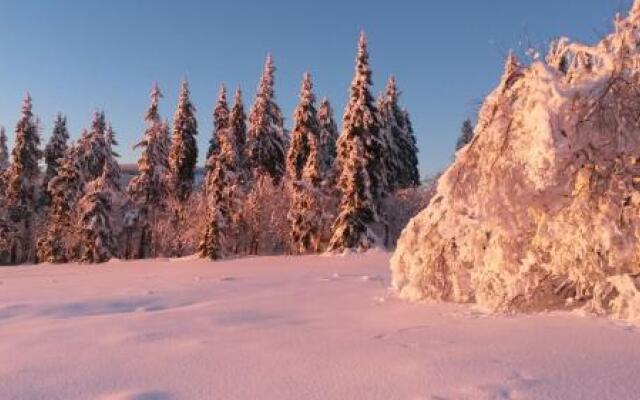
<point>183,154</point>
<point>97,155</point>
<point>238,125</point>
<point>222,192</point>
<point>267,140</point>
<point>305,133</point>
<point>466,134</point>
<point>328,137</point>
<point>148,189</point>
<point>305,174</point>
<point>411,153</point>
<point>112,172</point>
<point>54,151</point>
<point>8,241</point>
<point>220,121</point>
<point>97,243</point>
<point>93,147</point>
<point>59,243</point>
<point>360,159</point>
<point>4,165</point>
<point>357,210</point>
<point>22,177</point>
<point>4,152</point>
<point>401,149</point>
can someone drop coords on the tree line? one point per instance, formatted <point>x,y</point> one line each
<point>265,190</point>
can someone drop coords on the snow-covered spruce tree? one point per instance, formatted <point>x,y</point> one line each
<point>96,155</point>
<point>357,211</point>
<point>222,191</point>
<point>22,186</point>
<point>400,154</point>
<point>112,172</point>
<point>267,139</point>
<point>305,133</point>
<point>8,241</point>
<point>4,164</point>
<point>59,243</point>
<point>183,154</point>
<point>97,237</point>
<point>466,134</point>
<point>220,121</point>
<point>412,174</point>
<point>238,127</point>
<point>328,138</point>
<point>92,147</point>
<point>148,190</point>
<point>54,152</point>
<point>304,174</point>
<point>4,151</point>
<point>360,161</point>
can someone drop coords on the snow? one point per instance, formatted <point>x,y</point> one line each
<point>315,327</point>
<point>540,211</point>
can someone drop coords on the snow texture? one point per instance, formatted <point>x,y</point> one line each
<point>283,328</point>
<point>542,209</point>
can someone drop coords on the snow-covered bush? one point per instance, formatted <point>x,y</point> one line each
<point>403,205</point>
<point>263,227</point>
<point>541,210</point>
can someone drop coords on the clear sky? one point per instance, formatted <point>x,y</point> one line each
<point>76,56</point>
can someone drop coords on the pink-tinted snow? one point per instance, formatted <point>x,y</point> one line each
<point>286,328</point>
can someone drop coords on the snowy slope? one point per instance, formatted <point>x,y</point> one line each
<point>286,328</point>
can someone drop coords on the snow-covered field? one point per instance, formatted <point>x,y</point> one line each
<point>286,328</point>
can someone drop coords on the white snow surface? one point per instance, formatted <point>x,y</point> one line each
<point>316,327</point>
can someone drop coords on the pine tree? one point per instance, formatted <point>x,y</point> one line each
<point>267,138</point>
<point>222,190</point>
<point>97,155</point>
<point>238,127</point>
<point>360,160</point>
<point>184,149</point>
<point>305,133</point>
<point>148,189</point>
<point>4,165</point>
<point>352,228</point>
<point>305,174</point>
<point>328,137</point>
<point>92,147</point>
<point>112,172</point>
<point>411,153</point>
<point>53,153</point>
<point>401,149</point>
<point>4,152</point>
<point>220,121</point>
<point>466,134</point>
<point>98,242</point>
<point>22,177</point>
<point>59,243</point>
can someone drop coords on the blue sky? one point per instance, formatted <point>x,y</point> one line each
<point>76,56</point>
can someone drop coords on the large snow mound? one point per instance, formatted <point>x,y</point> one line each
<point>541,210</point>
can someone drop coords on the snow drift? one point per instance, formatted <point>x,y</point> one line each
<point>542,209</point>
